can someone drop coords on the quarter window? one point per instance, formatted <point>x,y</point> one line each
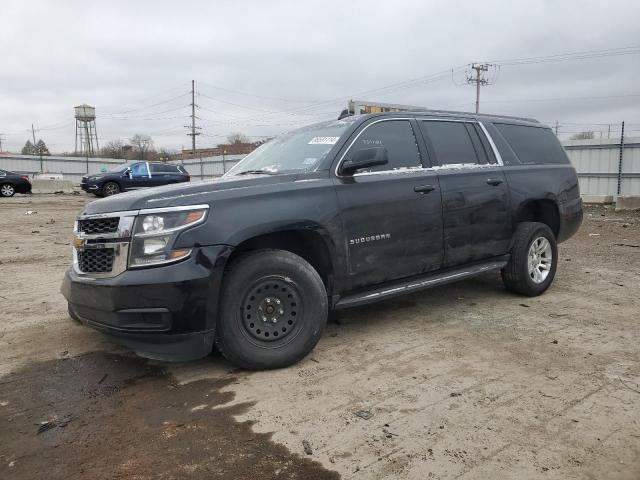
<point>163,168</point>
<point>454,142</point>
<point>397,137</point>
<point>533,144</point>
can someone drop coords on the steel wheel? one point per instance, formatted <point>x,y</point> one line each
<point>273,308</point>
<point>110,188</point>
<point>7,190</point>
<point>271,311</point>
<point>539,259</point>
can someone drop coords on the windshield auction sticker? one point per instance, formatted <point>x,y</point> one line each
<point>323,140</point>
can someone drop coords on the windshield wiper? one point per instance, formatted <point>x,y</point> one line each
<point>258,171</point>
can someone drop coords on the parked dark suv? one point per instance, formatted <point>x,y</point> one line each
<point>333,215</point>
<point>133,175</point>
<point>12,183</point>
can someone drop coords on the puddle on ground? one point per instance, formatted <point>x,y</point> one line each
<point>108,416</point>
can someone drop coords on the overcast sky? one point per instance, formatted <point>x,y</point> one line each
<point>266,67</point>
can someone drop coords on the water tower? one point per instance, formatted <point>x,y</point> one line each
<point>86,133</point>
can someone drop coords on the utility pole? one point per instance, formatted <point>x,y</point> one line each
<point>193,119</point>
<point>1,134</point>
<point>33,132</point>
<point>557,125</point>
<point>479,80</point>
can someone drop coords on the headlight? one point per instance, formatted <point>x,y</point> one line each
<point>155,232</point>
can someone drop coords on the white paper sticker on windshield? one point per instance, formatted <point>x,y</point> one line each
<point>323,140</point>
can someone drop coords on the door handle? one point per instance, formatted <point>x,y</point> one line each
<point>424,189</point>
<point>494,181</point>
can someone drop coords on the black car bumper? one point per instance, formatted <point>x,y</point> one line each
<point>90,187</point>
<point>166,313</point>
<point>23,187</point>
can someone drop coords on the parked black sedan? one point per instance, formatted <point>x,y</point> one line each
<point>12,183</point>
<point>130,176</point>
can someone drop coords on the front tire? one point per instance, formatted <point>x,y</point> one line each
<point>534,259</point>
<point>110,188</point>
<point>7,190</point>
<point>273,310</point>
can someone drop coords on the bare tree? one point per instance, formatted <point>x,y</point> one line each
<point>113,149</point>
<point>237,138</point>
<point>166,154</point>
<point>588,135</point>
<point>141,145</point>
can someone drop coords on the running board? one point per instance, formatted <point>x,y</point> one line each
<point>414,284</point>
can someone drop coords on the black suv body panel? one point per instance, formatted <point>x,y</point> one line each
<point>373,230</point>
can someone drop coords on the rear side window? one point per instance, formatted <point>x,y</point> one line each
<point>454,143</point>
<point>397,137</point>
<point>533,144</point>
<point>163,168</point>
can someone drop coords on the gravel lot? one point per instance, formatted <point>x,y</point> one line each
<point>462,381</point>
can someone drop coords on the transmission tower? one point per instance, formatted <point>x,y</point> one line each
<point>479,78</point>
<point>193,127</point>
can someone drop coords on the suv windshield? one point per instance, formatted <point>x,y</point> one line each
<point>121,167</point>
<point>297,151</point>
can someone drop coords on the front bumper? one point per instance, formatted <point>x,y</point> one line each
<point>89,187</point>
<point>23,188</point>
<point>166,313</point>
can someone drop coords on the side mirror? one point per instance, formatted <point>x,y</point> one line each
<point>365,158</point>
<point>127,173</point>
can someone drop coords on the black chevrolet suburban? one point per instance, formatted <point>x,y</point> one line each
<point>334,215</point>
<point>129,176</point>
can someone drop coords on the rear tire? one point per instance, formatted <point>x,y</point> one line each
<point>110,188</point>
<point>273,310</point>
<point>534,259</point>
<point>7,190</point>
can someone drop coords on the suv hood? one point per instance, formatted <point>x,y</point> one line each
<point>188,193</point>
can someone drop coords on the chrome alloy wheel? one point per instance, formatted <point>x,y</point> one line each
<point>111,189</point>
<point>539,260</point>
<point>7,190</point>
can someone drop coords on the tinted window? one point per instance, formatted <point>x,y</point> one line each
<point>533,144</point>
<point>452,142</point>
<point>163,168</point>
<point>397,137</point>
<point>139,170</point>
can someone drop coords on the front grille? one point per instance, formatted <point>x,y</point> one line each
<point>98,225</point>
<point>95,260</point>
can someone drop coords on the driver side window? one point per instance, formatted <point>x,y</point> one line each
<point>139,170</point>
<point>397,137</point>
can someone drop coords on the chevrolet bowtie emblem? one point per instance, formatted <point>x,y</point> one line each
<point>78,242</point>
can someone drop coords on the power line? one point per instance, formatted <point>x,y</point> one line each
<point>183,85</point>
<point>252,94</point>
<point>562,57</point>
<point>146,106</point>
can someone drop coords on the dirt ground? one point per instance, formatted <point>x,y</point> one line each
<point>461,381</point>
